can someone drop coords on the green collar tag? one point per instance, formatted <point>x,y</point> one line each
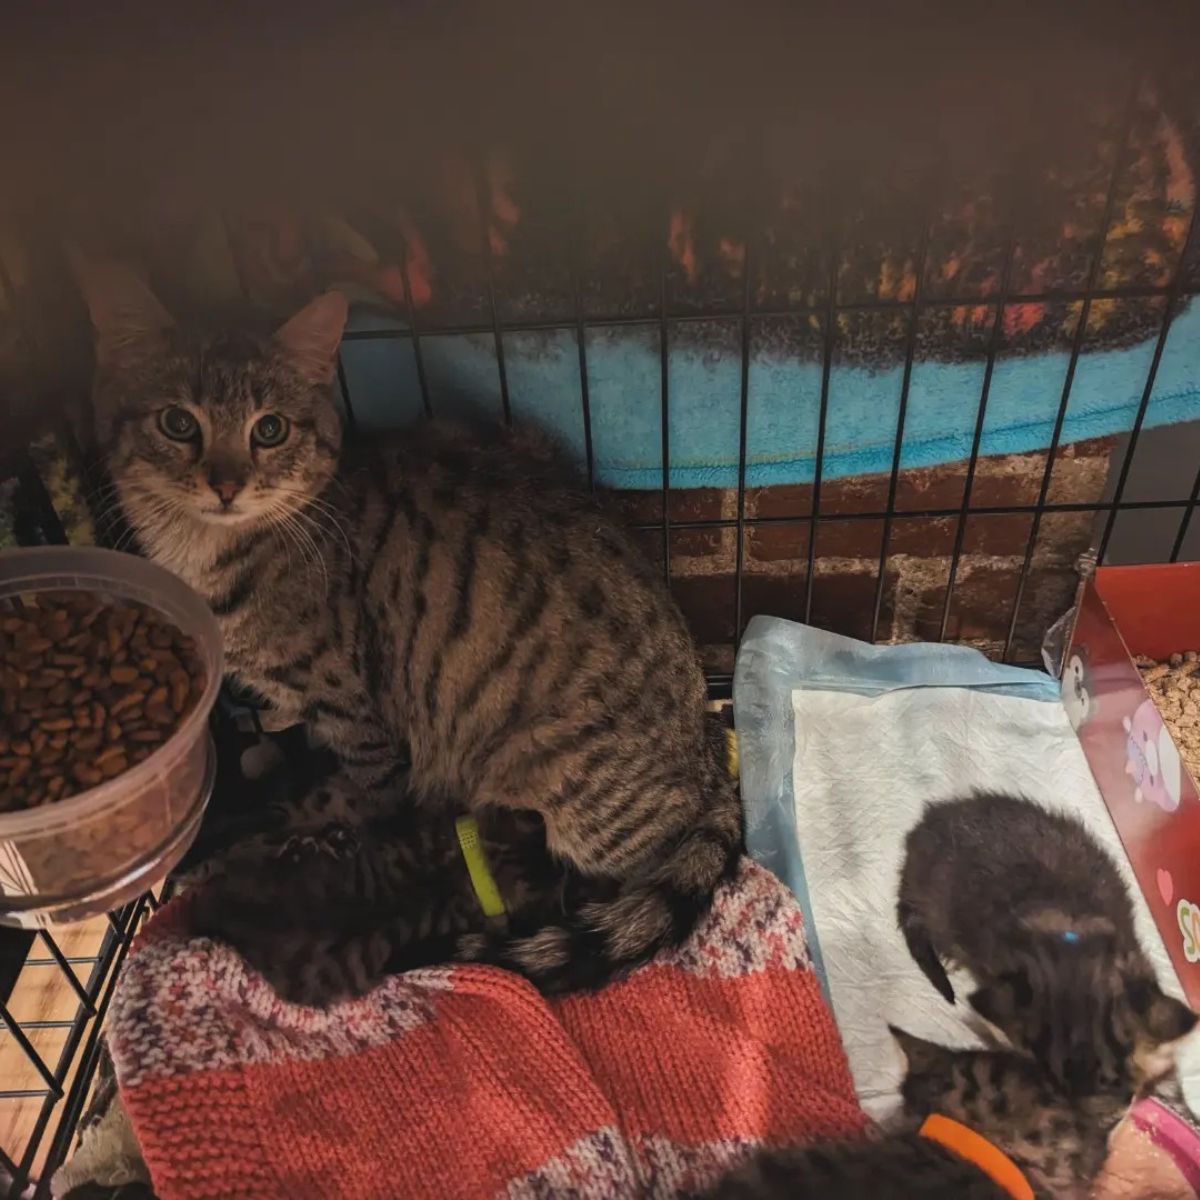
<point>485,887</point>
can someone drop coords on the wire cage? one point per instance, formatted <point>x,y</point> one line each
<point>947,548</point>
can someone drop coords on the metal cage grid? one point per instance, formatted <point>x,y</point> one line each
<point>62,1103</point>
<point>1172,294</point>
<point>68,1080</point>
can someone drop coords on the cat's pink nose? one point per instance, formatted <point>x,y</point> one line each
<point>226,489</point>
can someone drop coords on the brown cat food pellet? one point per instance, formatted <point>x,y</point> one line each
<point>88,687</point>
<point>180,688</point>
<point>112,767</point>
<point>127,702</point>
<point>85,774</point>
<point>110,755</point>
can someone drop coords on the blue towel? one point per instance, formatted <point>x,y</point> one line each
<point>624,386</point>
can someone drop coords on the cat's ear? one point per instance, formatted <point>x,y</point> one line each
<point>1167,1019</point>
<point>921,1056</point>
<point>311,338</point>
<point>126,316</point>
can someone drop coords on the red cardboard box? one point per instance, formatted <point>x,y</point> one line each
<point>1152,799</point>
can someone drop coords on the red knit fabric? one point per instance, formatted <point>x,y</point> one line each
<point>464,1082</point>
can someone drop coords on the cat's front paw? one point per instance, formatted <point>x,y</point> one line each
<point>330,842</point>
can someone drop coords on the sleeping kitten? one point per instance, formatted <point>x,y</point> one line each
<point>1030,904</point>
<point>1059,1142</point>
<point>451,609</point>
<point>297,897</point>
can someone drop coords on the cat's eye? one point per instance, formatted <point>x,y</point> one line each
<point>271,430</point>
<point>178,424</point>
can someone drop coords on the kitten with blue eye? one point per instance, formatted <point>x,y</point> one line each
<point>1030,904</point>
<point>450,611</point>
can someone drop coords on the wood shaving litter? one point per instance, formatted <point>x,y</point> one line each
<point>1174,686</point>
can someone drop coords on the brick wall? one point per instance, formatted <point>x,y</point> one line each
<point>775,556</point>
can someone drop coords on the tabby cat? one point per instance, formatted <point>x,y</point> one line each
<point>451,612</point>
<point>1060,1143</point>
<point>1033,907</point>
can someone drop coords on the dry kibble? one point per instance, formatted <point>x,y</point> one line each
<point>1174,686</point>
<point>86,775</point>
<point>88,687</point>
<point>126,703</point>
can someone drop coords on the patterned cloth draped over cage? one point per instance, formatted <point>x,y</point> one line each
<point>626,334</point>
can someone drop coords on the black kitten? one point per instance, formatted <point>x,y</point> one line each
<point>1030,904</point>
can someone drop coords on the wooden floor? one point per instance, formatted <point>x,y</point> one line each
<point>43,994</point>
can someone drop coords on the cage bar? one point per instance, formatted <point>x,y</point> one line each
<point>1110,199</point>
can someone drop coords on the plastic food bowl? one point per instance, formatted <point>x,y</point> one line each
<point>97,849</point>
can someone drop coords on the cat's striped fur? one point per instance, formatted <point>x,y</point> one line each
<point>451,609</point>
<point>1059,1141</point>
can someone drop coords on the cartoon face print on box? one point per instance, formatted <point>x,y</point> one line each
<point>1077,696</point>
<point>1151,759</point>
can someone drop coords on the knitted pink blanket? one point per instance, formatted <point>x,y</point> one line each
<point>465,1082</point>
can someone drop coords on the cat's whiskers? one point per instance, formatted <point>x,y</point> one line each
<point>318,531</point>
<point>330,513</point>
<point>304,542</point>
<point>276,528</point>
<point>279,523</point>
<point>102,493</point>
<point>143,517</point>
<point>320,508</point>
<point>308,539</point>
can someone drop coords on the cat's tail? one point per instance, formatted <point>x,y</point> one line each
<point>609,927</point>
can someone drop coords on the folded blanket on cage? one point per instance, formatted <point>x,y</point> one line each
<point>465,1082</point>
